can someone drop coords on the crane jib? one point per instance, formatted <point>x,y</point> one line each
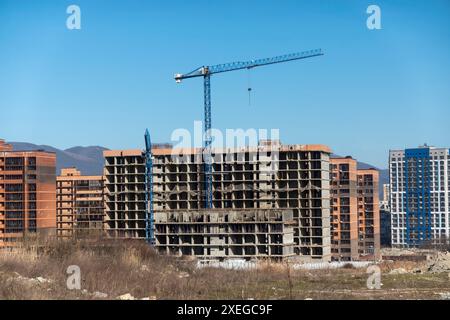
<point>232,66</point>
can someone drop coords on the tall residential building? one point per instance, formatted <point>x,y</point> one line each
<point>419,195</point>
<point>355,214</point>
<point>283,190</point>
<point>385,218</point>
<point>27,193</point>
<point>79,204</point>
<point>385,228</point>
<point>384,203</point>
<point>344,207</point>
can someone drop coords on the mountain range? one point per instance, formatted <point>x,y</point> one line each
<point>89,160</point>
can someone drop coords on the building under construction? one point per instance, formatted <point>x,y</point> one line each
<point>27,193</point>
<point>284,189</point>
<point>355,225</point>
<point>79,204</point>
<point>222,233</point>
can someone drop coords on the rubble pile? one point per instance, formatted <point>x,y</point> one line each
<point>438,263</point>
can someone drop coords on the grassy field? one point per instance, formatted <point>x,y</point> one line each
<point>111,269</point>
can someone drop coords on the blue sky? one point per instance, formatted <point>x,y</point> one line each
<point>104,84</point>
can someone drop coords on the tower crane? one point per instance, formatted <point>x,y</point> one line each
<point>149,216</point>
<point>206,72</point>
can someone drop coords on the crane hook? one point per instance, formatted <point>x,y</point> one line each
<point>249,88</point>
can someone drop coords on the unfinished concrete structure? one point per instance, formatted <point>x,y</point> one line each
<point>27,193</point>
<point>355,225</point>
<point>79,204</point>
<point>124,173</point>
<point>268,177</point>
<point>225,233</point>
<point>368,214</point>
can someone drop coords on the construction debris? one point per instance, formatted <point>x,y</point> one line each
<point>99,295</point>
<point>445,295</point>
<point>399,271</point>
<point>439,263</point>
<point>43,280</point>
<point>37,280</point>
<point>126,296</point>
<point>182,275</point>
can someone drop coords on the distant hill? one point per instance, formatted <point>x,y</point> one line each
<point>89,160</point>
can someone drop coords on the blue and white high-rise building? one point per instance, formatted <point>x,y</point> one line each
<point>419,195</point>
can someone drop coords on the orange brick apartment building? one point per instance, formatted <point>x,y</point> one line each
<point>27,193</point>
<point>355,212</point>
<point>80,204</point>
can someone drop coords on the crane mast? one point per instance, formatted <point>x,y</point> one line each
<point>149,215</point>
<point>206,72</point>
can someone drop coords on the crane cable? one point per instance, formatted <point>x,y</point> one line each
<point>249,88</point>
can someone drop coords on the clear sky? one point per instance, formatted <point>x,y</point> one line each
<point>374,90</point>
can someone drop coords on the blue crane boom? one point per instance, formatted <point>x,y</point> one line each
<point>149,216</point>
<point>239,65</point>
<point>206,72</point>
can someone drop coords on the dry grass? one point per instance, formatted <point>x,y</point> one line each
<point>119,267</point>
